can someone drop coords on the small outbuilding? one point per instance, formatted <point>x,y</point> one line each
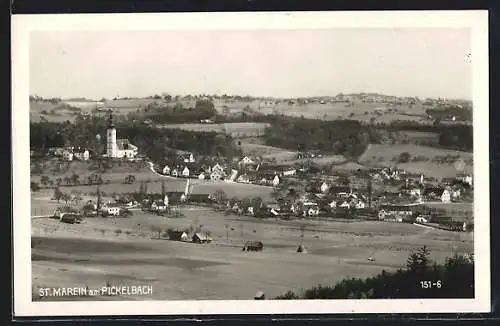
<point>253,246</point>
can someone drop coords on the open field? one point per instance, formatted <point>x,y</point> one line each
<point>328,111</point>
<point>458,211</point>
<point>434,169</point>
<point>92,254</point>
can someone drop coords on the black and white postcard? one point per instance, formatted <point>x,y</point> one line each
<point>251,163</point>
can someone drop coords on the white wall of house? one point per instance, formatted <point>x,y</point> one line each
<point>67,156</point>
<point>446,196</point>
<point>276,181</point>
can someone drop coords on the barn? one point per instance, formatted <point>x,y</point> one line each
<point>253,246</point>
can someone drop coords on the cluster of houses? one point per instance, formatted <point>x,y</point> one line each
<point>247,170</point>
<point>68,153</point>
<point>196,237</point>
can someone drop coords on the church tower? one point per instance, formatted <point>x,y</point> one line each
<point>111,147</point>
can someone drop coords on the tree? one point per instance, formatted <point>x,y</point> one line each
<point>58,194</point>
<point>34,186</point>
<point>44,180</point>
<point>130,179</point>
<point>66,197</point>
<point>75,179</point>
<point>419,261</point>
<point>257,203</point>
<point>67,180</point>
<point>404,157</point>
<point>99,199</point>
<point>220,196</point>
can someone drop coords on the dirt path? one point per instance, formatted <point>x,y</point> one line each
<point>362,156</point>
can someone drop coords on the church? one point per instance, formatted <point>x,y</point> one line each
<point>118,148</point>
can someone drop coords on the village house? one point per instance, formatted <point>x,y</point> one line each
<point>437,193</point>
<point>243,178</point>
<point>201,176</point>
<point>415,192</point>
<point>217,175</point>
<point>276,181</point>
<point>201,238</point>
<point>289,172</point>
<point>310,209</point>
<point>82,155</point>
<point>175,172</point>
<point>166,170</point>
<point>178,236</point>
<point>67,155</point>
<point>246,160</point>
<point>185,172</point>
<point>342,191</point>
<point>455,193</point>
<point>56,151</point>
<point>395,212</point>
<point>110,210</point>
<point>185,157</point>
<point>465,178</point>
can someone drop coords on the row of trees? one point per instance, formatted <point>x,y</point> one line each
<point>151,141</point>
<point>161,113</point>
<point>72,180</point>
<point>421,278</point>
<point>346,137</point>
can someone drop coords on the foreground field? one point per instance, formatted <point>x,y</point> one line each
<point>384,155</point>
<point>95,253</point>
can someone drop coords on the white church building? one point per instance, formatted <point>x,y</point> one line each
<point>118,148</point>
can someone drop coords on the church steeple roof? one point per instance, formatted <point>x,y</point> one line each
<point>110,120</point>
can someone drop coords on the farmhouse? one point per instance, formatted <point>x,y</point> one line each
<point>186,157</point>
<point>82,155</point>
<point>185,172</point>
<point>318,187</point>
<point>67,155</point>
<point>159,205</point>
<point>178,236</point>
<point>339,190</point>
<point>56,151</point>
<point>465,178</point>
<point>289,172</point>
<point>166,170</point>
<point>243,178</point>
<point>253,246</point>
<point>217,175</point>
<point>246,160</point>
<point>175,197</point>
<point>397,212</point>
<point>110,210</point>
<point>201,238</point>
<point>433,193</point>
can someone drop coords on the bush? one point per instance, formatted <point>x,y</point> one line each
<point>404,157</point>
<point>288,296</point>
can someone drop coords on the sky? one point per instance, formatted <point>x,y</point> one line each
<point>279,63</point>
